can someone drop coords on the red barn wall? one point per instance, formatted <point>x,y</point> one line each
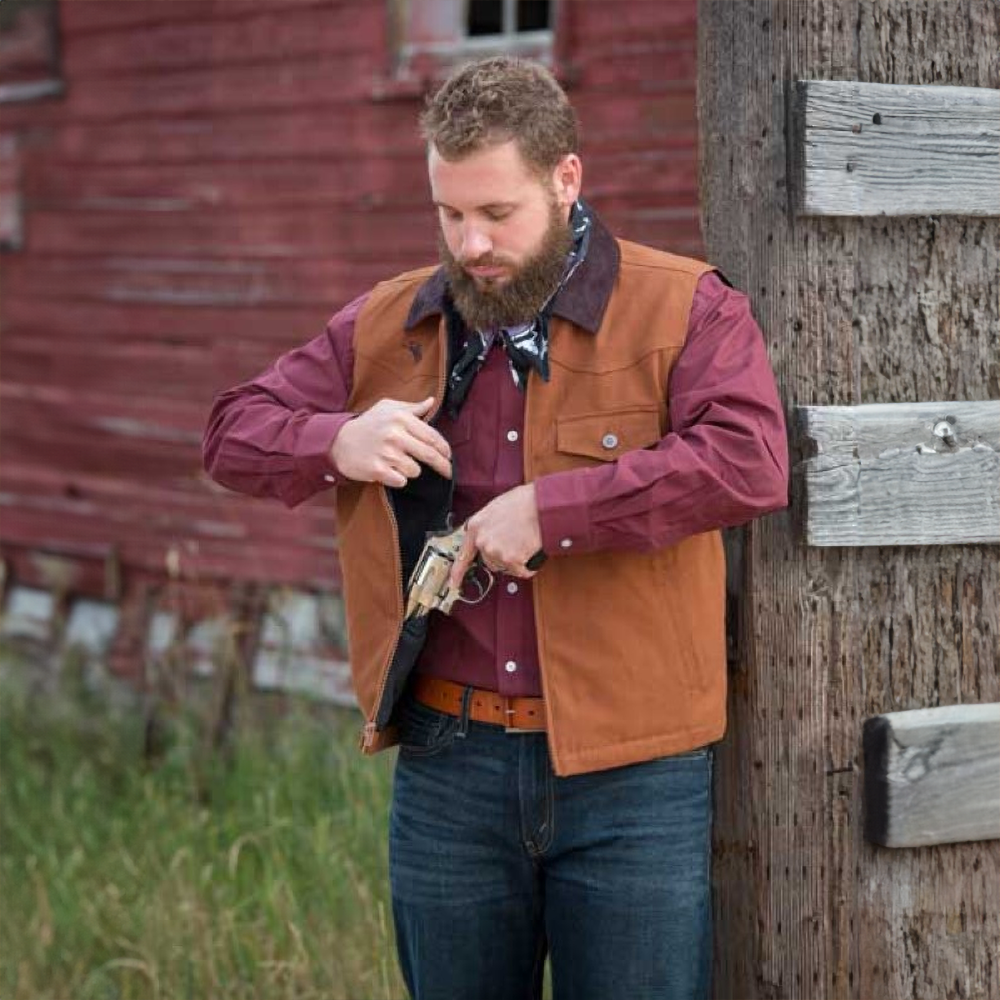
<point>218,177</point>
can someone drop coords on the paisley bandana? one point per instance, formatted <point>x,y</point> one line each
<point>527,345</point>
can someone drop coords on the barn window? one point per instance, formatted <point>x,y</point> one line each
<point>29,50</point>
<point>508,18</point>
<point>29,69</point>
<point>430,37</point>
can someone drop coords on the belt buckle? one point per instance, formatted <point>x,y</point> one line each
<point>508,712</point>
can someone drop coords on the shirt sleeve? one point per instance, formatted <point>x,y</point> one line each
<point>271,436</point>
<point>723,462</point>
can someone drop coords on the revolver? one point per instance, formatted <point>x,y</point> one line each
<point>430,588</point>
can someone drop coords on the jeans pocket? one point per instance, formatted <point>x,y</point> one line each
<point>423,731</point>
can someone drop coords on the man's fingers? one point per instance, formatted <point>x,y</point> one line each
<point>425,445</point>
<point>389,476</point>
<point>423,442</point>
<point>510,565</point>
<point>463,561</point>
<point>506,532</point>
<point>401,463</point>
<point>404,447</point>
<point>386,444</point>
<point>404,464</point>
<point>432,457</point>
<point>422,408</point>
<point>431,437</point>
<point>521,572</point>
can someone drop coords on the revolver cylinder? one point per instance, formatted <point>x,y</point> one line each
<point>429,587</point>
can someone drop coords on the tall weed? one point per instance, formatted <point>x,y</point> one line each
<point>256,874</point>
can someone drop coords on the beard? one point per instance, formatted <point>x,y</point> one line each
<point>489,304</point>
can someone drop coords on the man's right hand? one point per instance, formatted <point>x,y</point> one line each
<point>385,443</point>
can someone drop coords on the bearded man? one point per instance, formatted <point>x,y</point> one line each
<point>557,391</point>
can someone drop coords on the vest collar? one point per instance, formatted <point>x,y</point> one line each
<point>582,300</point>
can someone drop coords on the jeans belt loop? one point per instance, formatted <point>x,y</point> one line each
<point>463,718</point>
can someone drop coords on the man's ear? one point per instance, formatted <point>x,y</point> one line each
<point>567,179</point>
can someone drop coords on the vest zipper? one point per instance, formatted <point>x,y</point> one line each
<point>369,730</point>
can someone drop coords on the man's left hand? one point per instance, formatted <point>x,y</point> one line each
<point>505,533</point>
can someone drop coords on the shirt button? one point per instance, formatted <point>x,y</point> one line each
<point>566,543</point>
<point>511,587</point>
<point>510,666</point>
<point>610,441</point>
<point>329,478</point>
<point>512,436</point>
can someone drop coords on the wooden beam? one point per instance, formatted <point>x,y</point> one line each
<point>902,473</point>
<point>887,149</point>
<point>932,776</point>
<point>854,310</point>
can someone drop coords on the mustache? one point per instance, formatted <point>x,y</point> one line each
<point>487,260</point>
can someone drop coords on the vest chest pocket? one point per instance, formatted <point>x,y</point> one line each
<point>608,435</point>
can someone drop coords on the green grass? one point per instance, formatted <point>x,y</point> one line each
<point>263,877</point>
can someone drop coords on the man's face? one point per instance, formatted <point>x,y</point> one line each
<point>504,233</point>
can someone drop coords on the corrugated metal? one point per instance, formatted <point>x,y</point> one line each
<point>218,177</point>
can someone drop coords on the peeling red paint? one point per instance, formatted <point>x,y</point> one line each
<point>218,177</point>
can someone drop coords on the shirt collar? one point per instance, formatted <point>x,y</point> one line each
<point>582,300</point>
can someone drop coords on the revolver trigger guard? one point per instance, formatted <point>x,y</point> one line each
<point>472,576</point>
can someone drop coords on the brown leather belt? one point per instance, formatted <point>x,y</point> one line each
<point>514,714</point>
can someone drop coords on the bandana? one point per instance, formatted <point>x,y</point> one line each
<point>527,345</point>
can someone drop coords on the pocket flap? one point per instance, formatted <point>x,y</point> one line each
<point>607,436</point>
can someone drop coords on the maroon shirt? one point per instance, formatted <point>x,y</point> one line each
<point>271,437</point>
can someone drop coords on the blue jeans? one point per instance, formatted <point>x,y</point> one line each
<point>495,862</point>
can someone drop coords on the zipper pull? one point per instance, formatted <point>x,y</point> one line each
<point>368,736</point>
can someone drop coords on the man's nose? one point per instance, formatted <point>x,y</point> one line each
<point>475,243</point>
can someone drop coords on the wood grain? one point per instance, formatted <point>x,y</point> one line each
<point>932,776</point>
<point>217,179</point>
<point>854,311</point>
<point>902,473</point>
<point>890,149</point>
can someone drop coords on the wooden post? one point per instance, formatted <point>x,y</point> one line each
<point>855,310</point>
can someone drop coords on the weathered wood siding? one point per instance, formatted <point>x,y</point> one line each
<point>854,311</point>
<point>218,178</point>
<point>889,149</point>
<point>932,775</point>
<point>901,473</point>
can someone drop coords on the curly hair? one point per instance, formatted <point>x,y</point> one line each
<point>498,99</point>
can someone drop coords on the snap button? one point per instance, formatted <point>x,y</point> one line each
<point>510,666</point>
<point>329,478</point>
<point>566,543</point>
<point>610,440</point>
<point>511,587</point>
<point>511,435</point>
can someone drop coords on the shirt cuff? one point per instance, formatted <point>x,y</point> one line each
<point>564,512</point>
<point>312,451</point>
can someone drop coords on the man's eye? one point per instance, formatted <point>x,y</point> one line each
<point>451,215</point>
<point>498,216</point>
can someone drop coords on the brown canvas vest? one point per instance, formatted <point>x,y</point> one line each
<point>631,645</point>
